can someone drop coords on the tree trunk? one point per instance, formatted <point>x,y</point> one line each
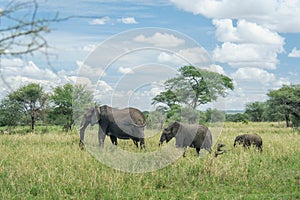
<point>287,121</point>
<point>195,103</point>
<point>32,123</point>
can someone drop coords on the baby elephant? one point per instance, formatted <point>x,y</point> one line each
<point>249,139</point>
<point>196,136</point>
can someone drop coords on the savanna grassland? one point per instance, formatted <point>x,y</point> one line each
<point>52,166</point>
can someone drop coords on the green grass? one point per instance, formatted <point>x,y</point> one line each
<point>51,166</point>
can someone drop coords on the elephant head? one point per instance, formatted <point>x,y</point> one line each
<point>91,116</point>
<point>239,140</point>
<point>169,132</point>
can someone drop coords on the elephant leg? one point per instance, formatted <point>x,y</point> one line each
<point>135,142</point>
<point>82,130</point>
<point>259,148</point>
<point>101,137</point>
<point>142,143</point>
<point>114,140</point>
<point>198,151</point>
<point>184,151</point>
<point>208,149</point>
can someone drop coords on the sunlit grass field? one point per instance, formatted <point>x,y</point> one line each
<point>50,165</point>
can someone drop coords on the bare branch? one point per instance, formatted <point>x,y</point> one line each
<point>21,35</point>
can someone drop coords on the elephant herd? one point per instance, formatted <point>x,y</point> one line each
<point>129,123</point>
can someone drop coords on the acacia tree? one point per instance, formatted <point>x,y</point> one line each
<point>193,87</point>
<point>32,98</point>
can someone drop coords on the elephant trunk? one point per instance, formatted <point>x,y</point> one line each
<point>82,130</point>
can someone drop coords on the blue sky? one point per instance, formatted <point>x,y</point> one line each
<point>255,43</point>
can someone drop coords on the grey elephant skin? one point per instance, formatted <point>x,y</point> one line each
<point>127,123</point>
<point>249,139</point>
<point>187,135</point>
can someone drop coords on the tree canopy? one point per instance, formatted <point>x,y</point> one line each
<point>69,102</point>
<point>286,101</point>
<point>255,111</point>
<point>193,87</point>
<point>32,98</point>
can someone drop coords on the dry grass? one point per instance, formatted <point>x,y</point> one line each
<point>51,166</point>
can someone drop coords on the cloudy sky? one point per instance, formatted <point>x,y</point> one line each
<point>124,50</point>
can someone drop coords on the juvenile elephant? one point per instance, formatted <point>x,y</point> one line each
<point>127,123</point>
<point>249,139</point>
<point>186,135</point>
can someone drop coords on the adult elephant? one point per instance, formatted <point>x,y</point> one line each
<point>127,123</point>
<point>188,135</point>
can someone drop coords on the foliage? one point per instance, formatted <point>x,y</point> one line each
<point>167,97</point>
<point>10,112</point>
<point>238,117</point>
<point>286,101</point>
<point>82,99</point>
<point>214,115</point>
<point>156,119</point>
<point>255,111</point>
<point>61,113</point>
<point>32,98</point>
<point>193,87</point>
<point>51,166</point>
<point>30,104</point>
<point>63,98</point>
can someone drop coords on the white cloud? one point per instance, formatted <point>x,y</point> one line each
<point>170,58</point>
<point>195,56</point>
<point>215,68</point>
<point>125,70</point>
<point>16,73</point>
<point>246,32</point>
<point>247,55</point>
<point>15,62</point>
<point>127,20</point>
<point>80,80</point>
<point>89,47</point>
<point>103,87</point>
<point>295,53</point>
<point>88,71</point>
<point>160,39</point>
<point>247,44</point>
<point>254,75</point>
<point>252,84</point>
<point>100,21</point>
<point>280,16</point>
<point>155,91</point>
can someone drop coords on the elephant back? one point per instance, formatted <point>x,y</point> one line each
<point>124,116</point>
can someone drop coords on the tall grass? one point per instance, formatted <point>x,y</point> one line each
<point>51,166</point>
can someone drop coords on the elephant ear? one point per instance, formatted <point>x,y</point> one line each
<point>137,118</point>
<point>95,115</point>
<point>175,127</point>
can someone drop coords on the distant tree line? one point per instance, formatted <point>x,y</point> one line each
<point>31,105</point>
<point>192,87</point>
<point>63,106</point>
<point>283,105</point>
